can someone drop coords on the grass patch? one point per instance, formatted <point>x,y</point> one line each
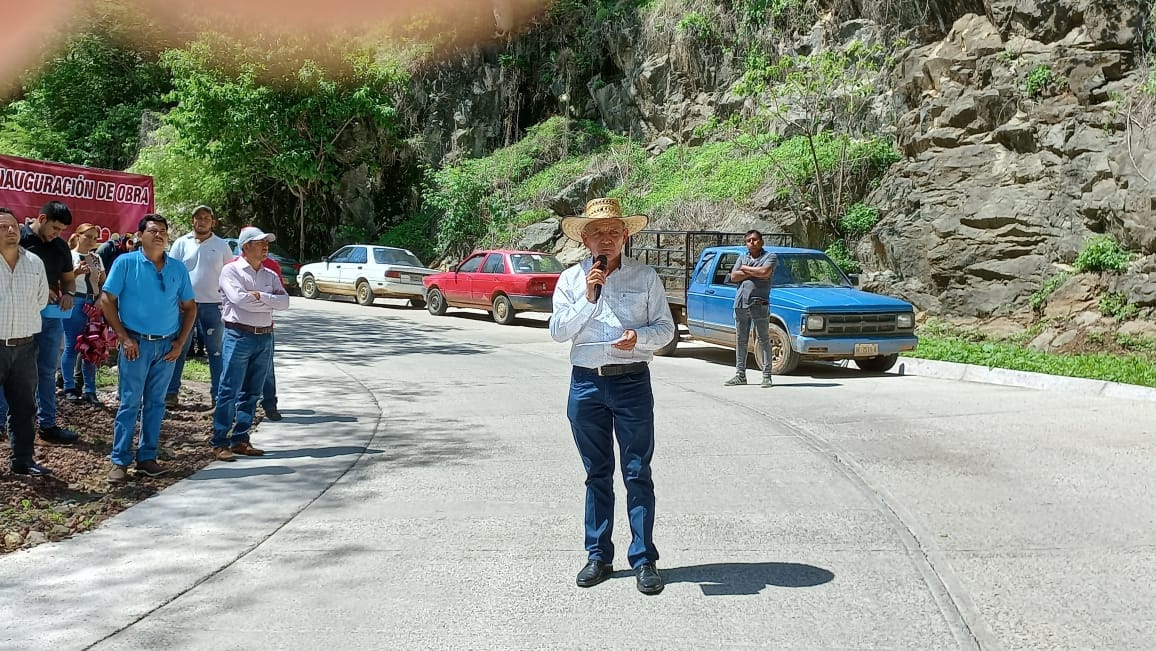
<point>196,370</point>
<point>969,347</point>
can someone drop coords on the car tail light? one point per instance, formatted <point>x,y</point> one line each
<point>539,286</point>
<point>393,274</point>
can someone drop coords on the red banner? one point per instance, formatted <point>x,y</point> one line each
<point>115,201</point>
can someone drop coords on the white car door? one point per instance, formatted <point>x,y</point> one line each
<point>329,275</point>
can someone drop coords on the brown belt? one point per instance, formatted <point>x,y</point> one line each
<point>18,341</point>
<point>253,330</point>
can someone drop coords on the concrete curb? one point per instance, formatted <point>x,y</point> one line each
<point>1041,381</point>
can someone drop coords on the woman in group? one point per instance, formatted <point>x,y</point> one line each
<point>89,277</point>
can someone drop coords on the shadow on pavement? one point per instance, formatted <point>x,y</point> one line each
<point>819,370</point>
<point>313,420</point>
<point>363,340</point>
<point>747,578</point>
<point>321,453</point>
<point>233,472</point>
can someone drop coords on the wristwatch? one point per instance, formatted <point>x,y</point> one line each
<point>70,293</point>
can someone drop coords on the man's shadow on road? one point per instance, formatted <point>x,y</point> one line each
<point>745,578</point>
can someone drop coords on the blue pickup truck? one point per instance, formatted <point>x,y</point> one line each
<point>816,312</point>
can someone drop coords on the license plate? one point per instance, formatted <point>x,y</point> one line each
<point>866,350</point>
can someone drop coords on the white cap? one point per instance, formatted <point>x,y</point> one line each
<point>251,233</point>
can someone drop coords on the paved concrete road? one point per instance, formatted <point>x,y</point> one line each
<point>423,492</point>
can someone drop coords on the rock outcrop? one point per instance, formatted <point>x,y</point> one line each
<point>1018,147</point>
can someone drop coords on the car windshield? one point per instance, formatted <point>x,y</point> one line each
<point>535,263</point>
<point>396,256</point>
<point>813,270</point>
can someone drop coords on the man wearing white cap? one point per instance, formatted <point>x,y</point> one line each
<point>251,294</point>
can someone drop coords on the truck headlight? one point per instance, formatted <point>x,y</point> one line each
<point>905,320</point>
<point>815,322</point>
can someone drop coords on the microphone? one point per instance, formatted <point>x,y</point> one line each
<point>601,263</point>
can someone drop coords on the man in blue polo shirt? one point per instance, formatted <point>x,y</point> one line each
<point>148,301</point>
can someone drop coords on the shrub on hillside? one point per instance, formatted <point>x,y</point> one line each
<point>1102,253</point>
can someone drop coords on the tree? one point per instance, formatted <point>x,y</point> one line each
<point>824,97</point>
<point>274,113</point>
<point>84,107</point>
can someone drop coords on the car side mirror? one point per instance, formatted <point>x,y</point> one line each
<point>854,279</point>
<point>325,259</point>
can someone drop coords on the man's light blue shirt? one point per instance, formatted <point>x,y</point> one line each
<point>148,301</point>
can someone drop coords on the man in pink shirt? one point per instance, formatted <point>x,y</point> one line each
<point>252,292</point>
<point>269,393</point>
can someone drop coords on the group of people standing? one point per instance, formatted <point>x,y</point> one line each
<point>152,298</point>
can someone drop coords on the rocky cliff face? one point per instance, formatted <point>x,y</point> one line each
<point>1021,141</point>
<point>1023,133</point>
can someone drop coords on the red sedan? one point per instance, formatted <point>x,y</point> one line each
<point>503,282</point>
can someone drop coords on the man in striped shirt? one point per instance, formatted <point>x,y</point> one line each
<point>23,293</point>
<point>613,310</point>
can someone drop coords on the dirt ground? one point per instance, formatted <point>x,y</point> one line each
<point>78,497</point>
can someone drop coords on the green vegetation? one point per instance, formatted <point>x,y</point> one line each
<point>1116,305</point>
<point>1041,80</point>
<point>1039,297</point>
<point>842,257</point>
<point>967,347</point>
<point>84,106</point>
<point>476,198</point>
<point>196,370</point>
<point>859,219</point>
<point>803,92</point>
<point>1102,253</point>
<point>273,114</point>
<point>698,26</point>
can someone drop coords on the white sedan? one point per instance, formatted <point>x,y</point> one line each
<point>366,272</point>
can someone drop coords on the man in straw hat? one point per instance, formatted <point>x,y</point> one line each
<point>613,311</point>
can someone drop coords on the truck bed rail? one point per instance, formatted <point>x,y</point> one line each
<point>673,253</point>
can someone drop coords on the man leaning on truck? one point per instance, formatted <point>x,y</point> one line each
<point>753,272</point>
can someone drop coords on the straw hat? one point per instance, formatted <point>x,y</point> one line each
<point>602,208</point>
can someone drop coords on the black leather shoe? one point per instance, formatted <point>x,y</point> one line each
<point>594,573</point>
<point>648,579</point>
<point>272,414</point>
<point>57,434</point>
<point>33,469</point>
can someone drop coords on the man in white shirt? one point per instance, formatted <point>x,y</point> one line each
<point>252,293</point>
<point>23,293</point>
<point>613,310</point>
<point>204,255</point>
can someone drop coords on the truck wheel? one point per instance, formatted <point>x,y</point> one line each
<point>878,364</point>
<point>435,302</point>
<point>669,348</point>
<point>503,310</point>
<point>309,287</point>
<point>363,293</point>
<point>784,358</point>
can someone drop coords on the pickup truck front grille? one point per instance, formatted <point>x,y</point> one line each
<point>855,324</point>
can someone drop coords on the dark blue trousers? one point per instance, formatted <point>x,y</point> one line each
<point>601,409</point>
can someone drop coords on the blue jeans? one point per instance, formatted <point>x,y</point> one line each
<point>73,326</point>
<point>760,315</point>
<point>269,393</point>
<point>48,342</point>
<point>141,389</point>
<point>209,325</point>
<point>246,360</point>
<point>601,409</point>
